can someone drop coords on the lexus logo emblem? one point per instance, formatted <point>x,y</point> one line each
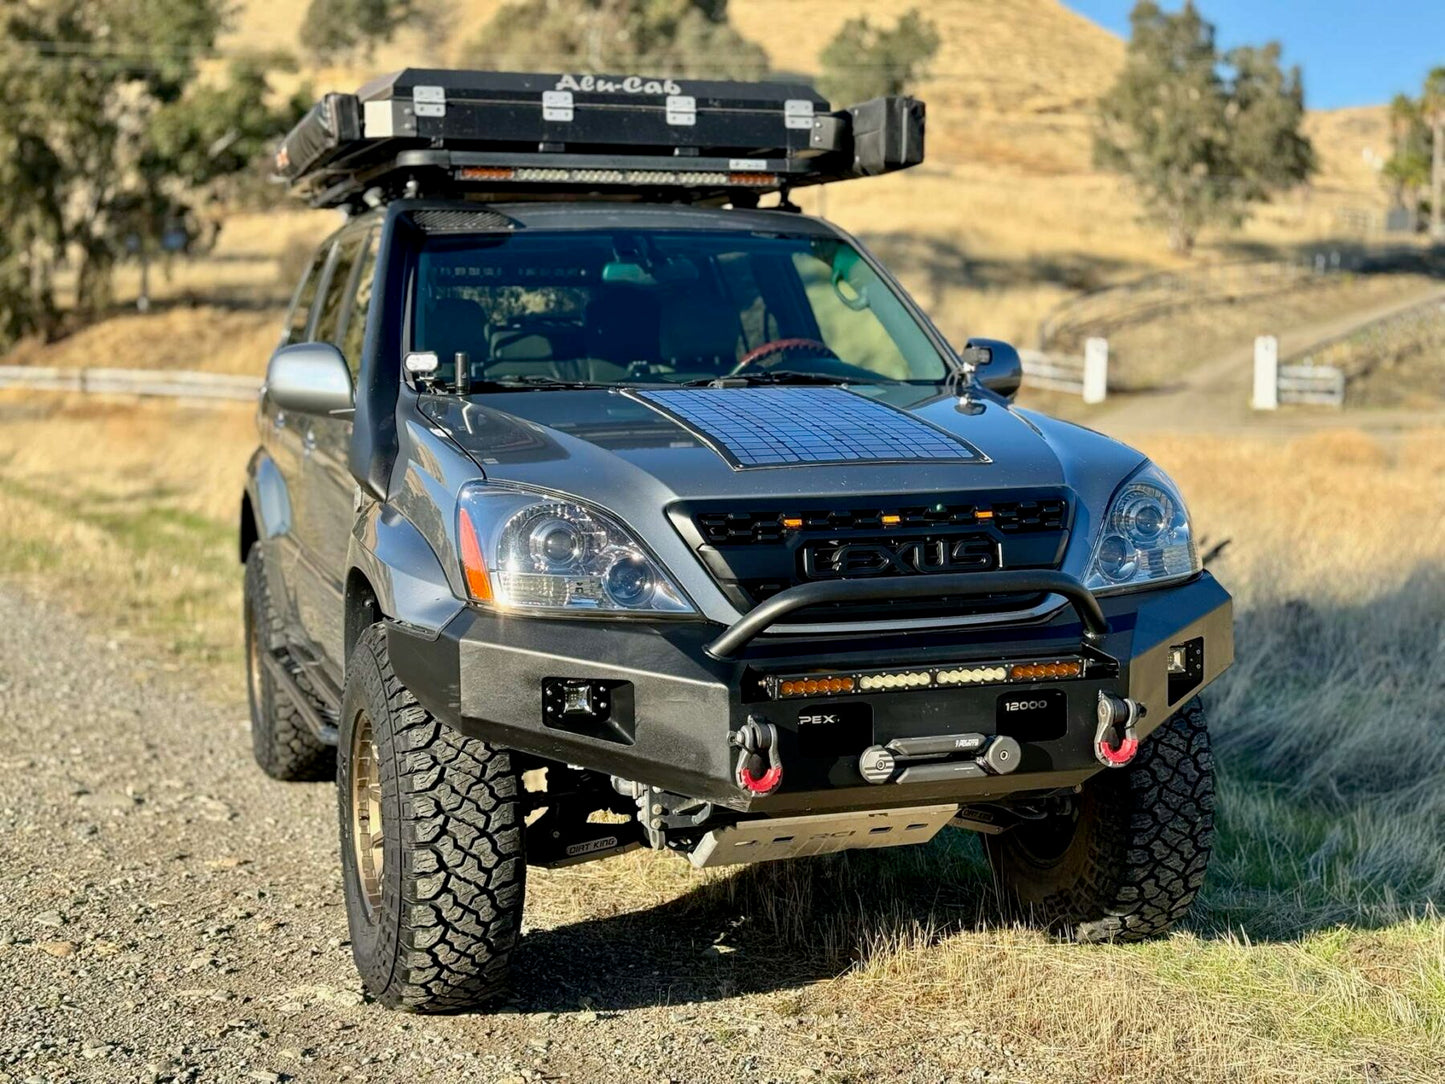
<point>905,557</point>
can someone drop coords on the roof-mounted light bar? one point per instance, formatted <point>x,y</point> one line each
<point>632,178</point>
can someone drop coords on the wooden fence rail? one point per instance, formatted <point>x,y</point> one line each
<point>175,384</point>
<point>1086,376</point>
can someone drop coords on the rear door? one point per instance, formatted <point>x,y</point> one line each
<point>329,494</point>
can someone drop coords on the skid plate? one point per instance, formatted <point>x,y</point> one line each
<point>818,833</point>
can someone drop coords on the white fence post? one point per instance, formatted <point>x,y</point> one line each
<point>1266,373</point>
<point>1096,370</point>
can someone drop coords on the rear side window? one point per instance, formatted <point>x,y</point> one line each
<point>337,291</point>
<point>353,335</point>
<point>305,297</point>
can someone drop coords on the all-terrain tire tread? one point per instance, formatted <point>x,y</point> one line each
<point>281,740</point>
<point>1150,840</point>
<point>463,869</point>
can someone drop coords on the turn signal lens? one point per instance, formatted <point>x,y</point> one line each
<point>474,566</point>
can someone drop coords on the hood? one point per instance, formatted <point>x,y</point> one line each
<point>615,447</point>
<point>642,453</point>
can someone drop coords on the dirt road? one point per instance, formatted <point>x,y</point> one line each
<point>1214,397</point>
<point>167,913</point>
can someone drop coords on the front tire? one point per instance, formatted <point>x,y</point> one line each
<point>1126,859</point>
<point>431,846</point>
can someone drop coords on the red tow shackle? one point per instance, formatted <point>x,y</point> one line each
<point>1117,717</point>
<point>756,740</point>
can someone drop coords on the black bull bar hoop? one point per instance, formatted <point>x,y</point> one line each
<point>963,585</point>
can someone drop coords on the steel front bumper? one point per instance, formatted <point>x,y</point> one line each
<point>670,705</point>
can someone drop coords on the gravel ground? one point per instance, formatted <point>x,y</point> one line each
<point>169,914</point>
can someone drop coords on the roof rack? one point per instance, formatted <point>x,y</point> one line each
<point>423,132</point>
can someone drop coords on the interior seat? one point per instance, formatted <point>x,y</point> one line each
<point>453,325</point>
<point>700,333</point>
<point>623,325</point>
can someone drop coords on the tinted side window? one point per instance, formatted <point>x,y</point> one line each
<point>354,333</point>
<point>305,295</point>
<point>338,291</point>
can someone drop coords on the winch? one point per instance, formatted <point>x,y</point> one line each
<point>940,757</point>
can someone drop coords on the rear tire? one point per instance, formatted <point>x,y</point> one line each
<point>285,747</point>
<point>434,890</point>
<point>1127,860</point>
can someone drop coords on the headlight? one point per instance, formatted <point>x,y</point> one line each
<point>1145,537</point>
<point>532,551</point>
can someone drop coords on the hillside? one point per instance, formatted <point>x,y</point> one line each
<point>1012,82</point>
<point>1008,217</point>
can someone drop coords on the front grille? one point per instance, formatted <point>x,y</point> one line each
<point>735,528</point>
<point>755,550</point>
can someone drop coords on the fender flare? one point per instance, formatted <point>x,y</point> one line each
<point>266,499</point>
<point>404,573</point>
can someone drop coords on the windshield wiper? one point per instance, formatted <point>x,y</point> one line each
<point>775,376</point>
<point>536,382</point>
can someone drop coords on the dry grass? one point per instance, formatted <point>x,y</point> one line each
<point>129,511</point>
<point>204,337</point>
<point>1396,363</point>
<point>1315,952</point>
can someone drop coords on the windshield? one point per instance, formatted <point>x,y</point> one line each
<point>635,306</point>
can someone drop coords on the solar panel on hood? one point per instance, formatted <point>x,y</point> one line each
<point>780,427</point>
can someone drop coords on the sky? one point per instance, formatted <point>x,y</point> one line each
<point>1353,52</point>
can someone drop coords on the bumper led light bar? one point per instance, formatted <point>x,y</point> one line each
<point>973,675</point>
<point>816,686</point>
<point>1042,671</point>
<point>879,681</point>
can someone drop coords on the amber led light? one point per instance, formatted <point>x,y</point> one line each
<point>487,173</point>
<point>815,686</point>
<point>1033,671</point>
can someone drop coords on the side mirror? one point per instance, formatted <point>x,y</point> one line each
<point>997,365</point>
<point>310,378</point>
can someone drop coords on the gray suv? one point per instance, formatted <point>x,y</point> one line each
<point>579,525</point>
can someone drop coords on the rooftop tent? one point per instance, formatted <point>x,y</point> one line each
<point>436,133</point>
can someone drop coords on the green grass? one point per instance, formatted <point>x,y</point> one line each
<point>170,573</point>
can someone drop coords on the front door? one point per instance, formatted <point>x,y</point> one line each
<point>328,491</point>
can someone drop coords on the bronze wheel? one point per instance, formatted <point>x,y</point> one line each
<point>255,674</point>
<point>431,845</point>
<point>367,836</point>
